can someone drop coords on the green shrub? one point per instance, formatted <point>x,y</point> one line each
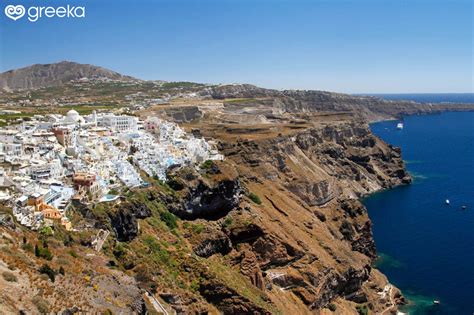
<point>169,219</point>
<point>119,250</point>
<point>194,286</point>
<point>43,252</point>
<point>68,240</point>
<point>73,253</point>
<point>197,228</point>
<point>255,198</point>
<point>158,253</point>
<point>362,309</point>
<point>61,271</point>
<point>46,231</point>
<point>41,304</point>
<point>8,276</point>
<point>227,222</point>
<point>180,84</point>
<point>27,247</point>
<point>207,165</point>
<point>47,270</point>
<point>332,307</point>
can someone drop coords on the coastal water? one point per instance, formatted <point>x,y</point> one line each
<point>430,97</point>
<point>427,246</point>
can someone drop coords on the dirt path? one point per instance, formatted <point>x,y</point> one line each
<point>388,291</point>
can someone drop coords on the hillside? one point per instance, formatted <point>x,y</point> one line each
<point>274,229</point>
<point>56,74</point>
<point>72,84</point>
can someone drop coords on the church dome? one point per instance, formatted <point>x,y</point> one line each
<point>73,116</point>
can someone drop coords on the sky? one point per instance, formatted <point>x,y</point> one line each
<point>358,46</point>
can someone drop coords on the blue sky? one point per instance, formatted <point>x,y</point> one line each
<point>354,46</point>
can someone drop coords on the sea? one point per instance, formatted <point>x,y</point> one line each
<point>430,97</point>
<point>426,246</point>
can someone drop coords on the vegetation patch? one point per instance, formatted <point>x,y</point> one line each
<point>47,270</point>
<point>182,84</point>
<point>362,309</point>
<point>41,304</point>
<point>170,219</point>
<point>42,251</point>
<point>10,277</point>
<point>256,199</point>
<point>227,222</point>
<point>207,165</point>
<point>332,307</point>
<point>197,228</point>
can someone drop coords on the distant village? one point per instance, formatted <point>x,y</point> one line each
<point>51,161</point>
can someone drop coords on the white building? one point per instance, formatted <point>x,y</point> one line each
<point>118,123</point>
<point>11,149</point>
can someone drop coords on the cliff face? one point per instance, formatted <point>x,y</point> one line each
<point>299,235</point>
<point>275,228</point>
<point>311,101</point>
<point>202,197</point>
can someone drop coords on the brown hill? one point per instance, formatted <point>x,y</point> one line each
<point>55,74</point>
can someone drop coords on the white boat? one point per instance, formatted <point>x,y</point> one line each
<point>400,126</point>
<point>447,201</point>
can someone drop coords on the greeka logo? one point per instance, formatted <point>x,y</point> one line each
<point>16,12</point>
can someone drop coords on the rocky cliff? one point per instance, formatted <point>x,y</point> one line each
<point>279,224</point>
<point>308,234</point>
<point>275,228</point>
<point>301,101</point>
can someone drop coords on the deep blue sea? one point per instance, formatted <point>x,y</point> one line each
<point>430,97</point>
<point>426,246</point>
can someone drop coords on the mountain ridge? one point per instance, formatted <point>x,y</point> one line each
<point>55,74</point>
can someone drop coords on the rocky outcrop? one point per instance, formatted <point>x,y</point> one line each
<point>315,194</point>
<point>7,221</point>
<point>272,252</point>
<point>250,267</point>
<point>183,114</point>
<point>334,284</point>
<point>365,243</point>
<point>228,300</point>
<point>183,302</point>
<point>211,243</point>
<point>248,233</point>
<point>211,201</point>
<point>201,197</point>
<point>124,220</point>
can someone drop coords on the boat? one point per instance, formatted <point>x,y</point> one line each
<point>400,126</point>
<point>463,207</point>
<point>447,201</point>
<point>436,302</point>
